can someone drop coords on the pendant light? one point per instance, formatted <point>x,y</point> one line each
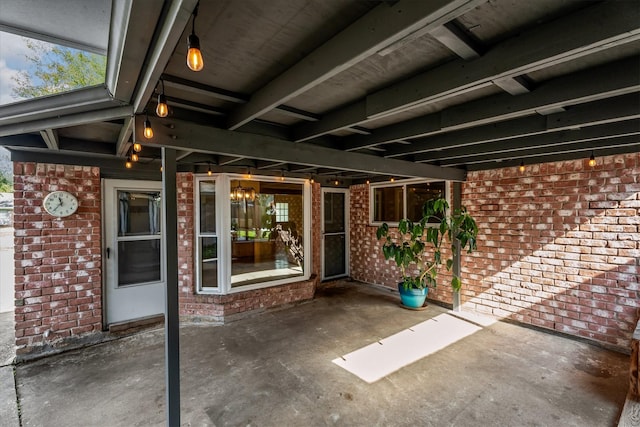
<point>194,56</point>
<point>128,163</point>
<point>209,171</point>
<point>148,131</point>
<point>592,160</point>
<point>521,167</point>
<point>162,110</point>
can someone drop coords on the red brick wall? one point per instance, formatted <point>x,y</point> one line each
<point>218,307</point>
<point>58,288</point>
<point>559,246</point>
<point>367,263</point>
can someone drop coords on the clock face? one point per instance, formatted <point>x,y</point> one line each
<point>60,203</point>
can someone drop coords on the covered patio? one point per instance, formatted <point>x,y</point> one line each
<point>278,368</point>
<point>527,113</point>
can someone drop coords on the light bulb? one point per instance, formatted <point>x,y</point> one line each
<point>137,147</point>
<point>521,167</point>
<point>162,110</point>
<point>128,163</point>
<point>592,160</point>
<point>134,157</point>
<point>148,131</point>
<point>194,56</point>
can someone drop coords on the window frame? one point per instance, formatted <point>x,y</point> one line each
<point>223,222</point>
<point>401,183</point>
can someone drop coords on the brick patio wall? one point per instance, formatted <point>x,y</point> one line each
<point>196,307</point>
<point>367,263</point>
<point>58,285</point>
<point>559,247</point>
<point>58,289</point>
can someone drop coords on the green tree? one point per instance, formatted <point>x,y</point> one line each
<point>6,186</point>
<point>57,69</point>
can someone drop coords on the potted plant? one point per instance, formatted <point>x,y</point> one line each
<point>416,248</point>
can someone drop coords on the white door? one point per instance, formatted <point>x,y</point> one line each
<point>335,237</point>
<point>134,250</point>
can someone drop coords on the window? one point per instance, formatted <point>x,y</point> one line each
<point>251,233</point>
<point>282,212</point>
<point>207,237</point>
<point>392,202</point>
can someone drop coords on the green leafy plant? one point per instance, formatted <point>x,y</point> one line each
<point>408,246</point>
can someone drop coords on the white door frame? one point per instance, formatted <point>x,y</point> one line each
<point>346,232</point>
<point>151,294</point>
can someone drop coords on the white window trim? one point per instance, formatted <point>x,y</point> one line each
<point>401,183</point>
<point>223,222</point>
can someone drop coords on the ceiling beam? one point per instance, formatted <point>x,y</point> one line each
<point>199,138</point>
<point>617,109</point>
<point>382,26</point>
<point>50,137</point>
<point>514,85</point>
<point>556,157</point>
<point>65,121</point>
<point>122,143</point>
<point>551,142</point>
<point>203,89</point>
<point>596,83</point>
<point>457,41</point>
<point>227,95</point>
<point>581,149</point>
<point>594,28</point>
<point>167,35</point>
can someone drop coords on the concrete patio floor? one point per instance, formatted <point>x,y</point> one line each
<point>276,369</point>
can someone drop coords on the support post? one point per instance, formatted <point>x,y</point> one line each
<point>456,203</point>
<point>172,319</point>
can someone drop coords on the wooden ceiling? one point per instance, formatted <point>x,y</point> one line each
<point>351,89</point>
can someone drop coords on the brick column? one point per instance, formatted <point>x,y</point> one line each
<point>58,277</point>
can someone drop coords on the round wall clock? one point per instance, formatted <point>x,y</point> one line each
<point>60,203</point>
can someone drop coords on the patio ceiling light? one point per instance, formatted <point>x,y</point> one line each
<point>209,171</point>
<point>128,163</point>
<point>521,167</point>
<point>592,160</point>
<point>148,131</point>
<point>137,147</point>
<point>194,56</point>
<point>162,110</point>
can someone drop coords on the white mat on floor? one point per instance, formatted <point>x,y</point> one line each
<point>390,354</point>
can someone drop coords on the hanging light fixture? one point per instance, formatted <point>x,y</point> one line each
<point>194,56</point>
<point>137,147</point>
<point>592,160</point>
<point>162,109</point>
<point>134,157</point>
<point>209,171</point>
<point>392,179</point>
<point>128,163</point>
<point>521,167</point>
<point>148,131</point>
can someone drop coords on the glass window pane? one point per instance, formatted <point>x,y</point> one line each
<point>138,262</point>
<point>138,213</point>
<point>334,212</point>
<point>388,204</point>
<point>418,194</point>
<point>207,207</point>
<point>209,262</point>
<point>267,223</point>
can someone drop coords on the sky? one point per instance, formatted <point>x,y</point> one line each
<point>12,61</point>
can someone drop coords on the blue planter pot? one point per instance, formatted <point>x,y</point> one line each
<point>412,298</point>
